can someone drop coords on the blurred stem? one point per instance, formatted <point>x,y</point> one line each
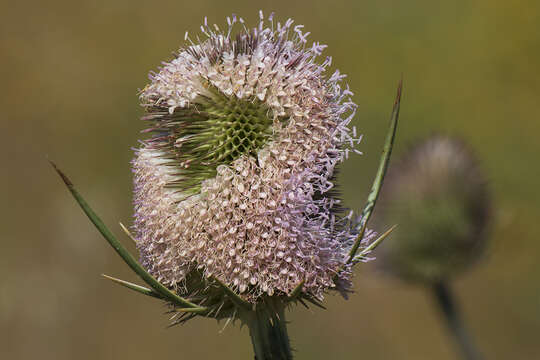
<point>268,331</point>
<point>447,304</point>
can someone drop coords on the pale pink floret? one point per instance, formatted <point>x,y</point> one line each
<point>261,225</point>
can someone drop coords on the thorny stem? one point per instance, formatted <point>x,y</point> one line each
<point>268,331</point>
<point>447,304</point>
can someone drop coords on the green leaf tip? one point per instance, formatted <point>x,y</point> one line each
<point>374,244</point>
<point>64,178</point>
<point>140,289</point>
<point>121,250</point>
<point>381,172</point>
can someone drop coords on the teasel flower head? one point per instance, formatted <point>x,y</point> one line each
<point>236,210</point>
<point>236,182</point>
<point>438,195</point>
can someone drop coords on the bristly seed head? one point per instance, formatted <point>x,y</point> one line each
<point>437,194</point>
<point>235,182</point>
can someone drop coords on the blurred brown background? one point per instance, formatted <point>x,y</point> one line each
<point>70,73</point>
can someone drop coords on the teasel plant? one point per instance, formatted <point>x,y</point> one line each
<point>438,194</point>
<point>236,211</point>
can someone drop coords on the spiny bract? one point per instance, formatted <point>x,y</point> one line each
<point>235,182</point>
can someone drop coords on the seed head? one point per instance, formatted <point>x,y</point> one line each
<point>438,196</point>
<point>236,181</point>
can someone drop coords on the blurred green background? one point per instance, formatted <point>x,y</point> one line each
<point>70,73</point>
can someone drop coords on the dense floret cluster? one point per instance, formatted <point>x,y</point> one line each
<point>236,181</point>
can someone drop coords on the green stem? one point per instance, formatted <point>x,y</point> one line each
<point>447,304</point>
<point>268,331</point>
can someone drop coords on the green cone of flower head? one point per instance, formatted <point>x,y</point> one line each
<point>216,130</point>
<point>438,196</point>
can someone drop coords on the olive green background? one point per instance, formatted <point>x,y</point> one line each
<point>70,71</point>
